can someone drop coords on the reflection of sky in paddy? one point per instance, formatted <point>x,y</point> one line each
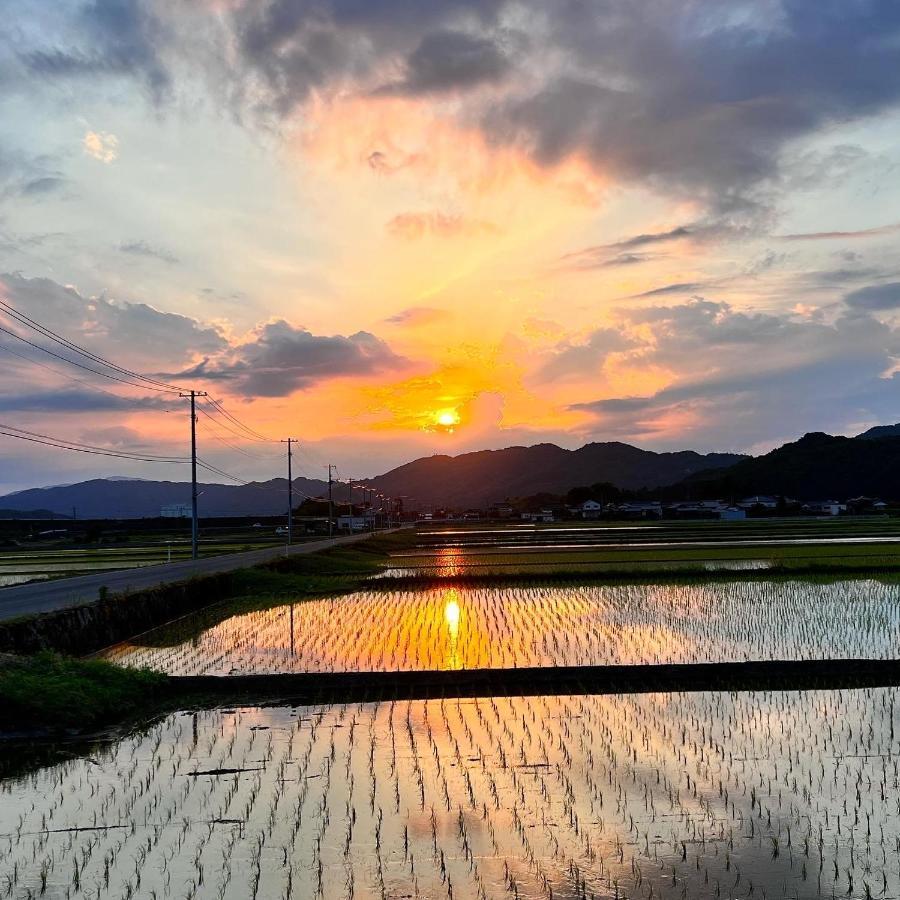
<point>698,795</point>
<point>510,627</point>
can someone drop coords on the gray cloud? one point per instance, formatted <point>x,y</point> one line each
<point>142,248</point>
<point>148,338</point>
<point>288,48</point>
<point>879,231</point>
<point>745,377</point>
<point>451,60</point>
<point>682,287</point>
<point>418,315</point>
<point>282,359</point>
<point>597,258</point>
<point>46,184</point>
<point>686,98</point>
<point>880,297</point>
<point>112,37</point>
<point>75,401</point>
<point>575,359</point>
<point>689,99</point>
<point>622,252</point>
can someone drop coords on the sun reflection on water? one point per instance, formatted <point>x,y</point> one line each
<point>452,615</point>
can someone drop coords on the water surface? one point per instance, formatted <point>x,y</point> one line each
<point>553,625</point>
<point>705,795</point>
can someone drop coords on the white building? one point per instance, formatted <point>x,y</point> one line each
<point>591,509</point>
<point>356,523</point>
<point>176,511</point>
<point>545,515</point>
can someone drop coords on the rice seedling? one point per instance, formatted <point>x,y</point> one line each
<point>769,794</point>
<point>535,624</point>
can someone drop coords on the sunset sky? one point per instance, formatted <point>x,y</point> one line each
<point>396,228</point>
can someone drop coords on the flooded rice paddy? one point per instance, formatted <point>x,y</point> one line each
<point>707,795</point>
<point>553,625</point>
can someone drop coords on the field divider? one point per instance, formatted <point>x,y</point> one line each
<point>311,688</point>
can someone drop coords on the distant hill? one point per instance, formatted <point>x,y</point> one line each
<point>136,499</point>
<point>487,476</point>
<point>880,431</point>
<point>817,467</point>
<point>27,514</point>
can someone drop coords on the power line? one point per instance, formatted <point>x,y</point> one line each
<point>217,424</point>
<point>66,375</point>
<point>78,447</point>
<point>71,345</point>
<point>72,362</point>
<point>255,435</point>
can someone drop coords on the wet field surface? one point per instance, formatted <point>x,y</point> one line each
<point>552,625</point>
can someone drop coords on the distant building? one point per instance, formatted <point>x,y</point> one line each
<point>544,515</point>
<point>176,511</point>
<point>706,509</point>
<point>362,522</point>
<point>824,507</point>
<point>643,509</point>
<point>763,502</point>
<point>591,509</point>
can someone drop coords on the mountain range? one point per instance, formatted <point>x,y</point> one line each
<point>818,466</point>
<point>486,476</point>
<point>102,498</point>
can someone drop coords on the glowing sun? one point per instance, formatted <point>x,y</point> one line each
<point>447,418</point>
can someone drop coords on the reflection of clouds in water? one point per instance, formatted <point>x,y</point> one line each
<point>655,795</point>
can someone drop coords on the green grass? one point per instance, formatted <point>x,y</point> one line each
<point>56,692</point>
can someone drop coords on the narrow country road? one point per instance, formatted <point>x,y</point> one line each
<point>46,596</point>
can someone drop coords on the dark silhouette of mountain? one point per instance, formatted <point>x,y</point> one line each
<point>487,476</point>
<point>880,431</point>
<point>134,499</point>
<point>817,467</point>
<point>29,514</point>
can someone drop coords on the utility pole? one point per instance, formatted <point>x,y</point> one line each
<point>330,503</point>
<point>290,523</point>
<point>195,530</point>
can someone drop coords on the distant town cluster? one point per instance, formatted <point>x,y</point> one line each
<point>723,510</point>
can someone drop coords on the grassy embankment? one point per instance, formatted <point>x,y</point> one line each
<point>56,692</point>
<point>51,692</point>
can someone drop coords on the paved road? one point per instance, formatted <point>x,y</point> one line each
<point>46,596</point>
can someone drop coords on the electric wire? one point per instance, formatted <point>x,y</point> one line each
<point>71,345</point>
<point>255,435</point>
<point>66,375</point>
<point>36,437</point>
<point>72,362</point>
